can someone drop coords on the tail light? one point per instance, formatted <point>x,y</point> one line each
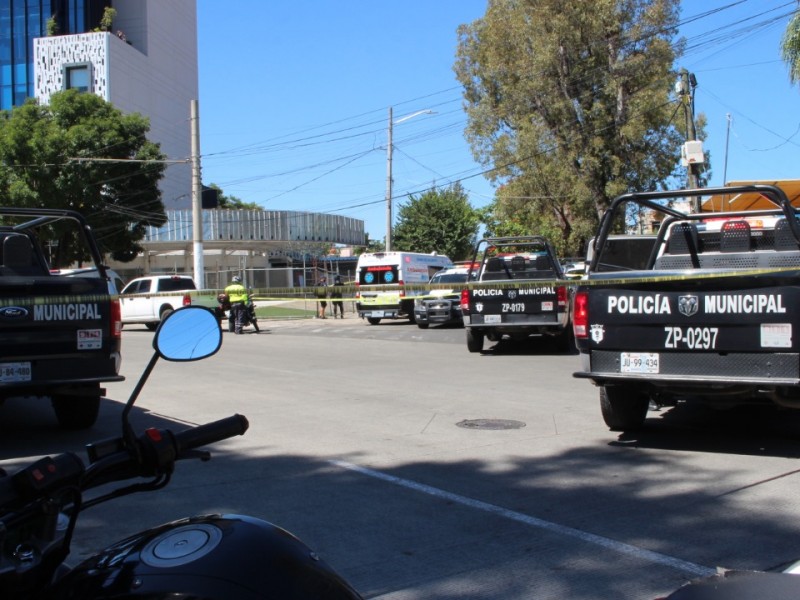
<point>561,296</point>
<point>580,315</point>
<point>116,319</point>
<point>402,289</point>
<point>187,300</point>
<point>465,301</point>
<point>358,292</point>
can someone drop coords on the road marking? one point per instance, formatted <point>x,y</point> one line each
<point>584,536</point>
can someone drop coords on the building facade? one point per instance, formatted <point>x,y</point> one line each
<point>21,21</point>
<point>146,64</point>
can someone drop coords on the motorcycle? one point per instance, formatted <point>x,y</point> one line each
<point>741,585</point>
<point>249,312</point>
<point>202,557</point>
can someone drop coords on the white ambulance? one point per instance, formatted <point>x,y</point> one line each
<point>393,271</point>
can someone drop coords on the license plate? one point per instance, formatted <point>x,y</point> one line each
<point>638,362</point>
<point>492,319</point>
<point>376,313</point>
<point>20,371</point>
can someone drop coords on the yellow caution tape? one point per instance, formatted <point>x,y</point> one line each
<point>348,291</point>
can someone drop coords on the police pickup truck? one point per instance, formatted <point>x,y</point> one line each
<point>520,297</point>
<point>59,333</point>
<point>710,318</point>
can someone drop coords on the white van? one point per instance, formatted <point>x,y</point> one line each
<point>396,269</point>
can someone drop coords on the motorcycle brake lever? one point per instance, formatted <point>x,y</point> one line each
<point>203,455</point>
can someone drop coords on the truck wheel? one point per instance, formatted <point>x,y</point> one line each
<point>422,325</point>
<point>474,340</point>
<point>165,312</point>
<point>76,412</point>
<point>623,408</point>
<point>373,320</point>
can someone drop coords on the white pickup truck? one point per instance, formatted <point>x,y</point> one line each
<point>148,300</point>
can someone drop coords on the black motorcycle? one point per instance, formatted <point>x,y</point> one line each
<point>249,312</point>
<point>203,557</point>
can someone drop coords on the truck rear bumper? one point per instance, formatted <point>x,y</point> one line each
<point>712,369</point>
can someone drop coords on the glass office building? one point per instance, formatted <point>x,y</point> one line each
<point>23,20</point>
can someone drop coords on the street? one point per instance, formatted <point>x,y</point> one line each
<point>421,471</point>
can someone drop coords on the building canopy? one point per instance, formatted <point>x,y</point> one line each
<point>752,200</point>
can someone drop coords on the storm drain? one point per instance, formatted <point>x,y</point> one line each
<point>490,424</point>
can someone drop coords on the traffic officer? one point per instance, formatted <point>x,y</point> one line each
<point>237,295</point>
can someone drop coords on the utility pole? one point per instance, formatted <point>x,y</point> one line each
<point>692,153</point>
<point>389,184</point>
<point>197,205</point>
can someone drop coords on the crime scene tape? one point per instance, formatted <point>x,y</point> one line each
<point>312,294</point>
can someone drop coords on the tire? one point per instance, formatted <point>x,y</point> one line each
<point>165,312</point>
<point>77,412</point>
<point>422,325</point>
<point>373,320</point>
<point>474,340</point>
<point>623,408</point>
<point>254,323</point>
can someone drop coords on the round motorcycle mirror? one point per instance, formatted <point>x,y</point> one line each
<point>189,333</point>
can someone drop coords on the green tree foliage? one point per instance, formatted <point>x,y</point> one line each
<point>790,47</point>
<point>225,202</point>
<point>569,104</point>
<point>438,221</point>
<point>45,154</point>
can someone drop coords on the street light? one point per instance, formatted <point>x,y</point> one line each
<point>392,122</point>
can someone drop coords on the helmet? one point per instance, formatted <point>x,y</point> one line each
<point>236,279</point>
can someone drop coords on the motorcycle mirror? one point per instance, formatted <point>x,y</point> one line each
<point>189,333</point>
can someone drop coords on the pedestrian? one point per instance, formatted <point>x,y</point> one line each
<point>322,293</point>
<point>237,296</point>
<point>337,304</point>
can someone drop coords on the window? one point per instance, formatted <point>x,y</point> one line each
<point>78,77</point>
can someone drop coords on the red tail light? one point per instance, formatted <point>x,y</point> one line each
<point>187,300</point>
<point>358,292</point>
<point>402,290</point>
<point>580,315</point>
<point>116,319</point>
<point>561,296</point>
<point>465,301</point>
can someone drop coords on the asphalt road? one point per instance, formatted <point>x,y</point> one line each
<point>421,471</point>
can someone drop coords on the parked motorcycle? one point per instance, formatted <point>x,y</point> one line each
<point>249,312</point>
<point>203,557</point>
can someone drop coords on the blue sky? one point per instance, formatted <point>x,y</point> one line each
<point>294,98</point>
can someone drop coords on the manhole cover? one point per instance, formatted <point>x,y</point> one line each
<point>490,424</point>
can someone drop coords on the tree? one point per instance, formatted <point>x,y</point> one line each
<point>46,157</point>
<point>790,47</point>
<point>225,202</point>
<point>438,221</point>
<point>569,104</point>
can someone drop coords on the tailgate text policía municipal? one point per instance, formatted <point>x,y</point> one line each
<point>656,304</point>
<point>537,291</point>
<point>65,312</point>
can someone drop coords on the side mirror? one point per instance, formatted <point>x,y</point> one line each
<point>189,333</point>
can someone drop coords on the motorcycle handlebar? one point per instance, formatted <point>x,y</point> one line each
<point>157,451</point>
<point>216,431</point>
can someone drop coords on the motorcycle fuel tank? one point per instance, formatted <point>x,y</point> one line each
<point>210,557</point>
